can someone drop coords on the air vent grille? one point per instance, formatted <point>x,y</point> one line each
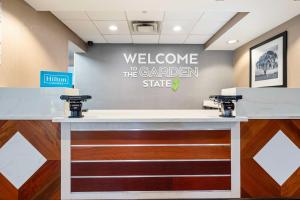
<point>145,27</point>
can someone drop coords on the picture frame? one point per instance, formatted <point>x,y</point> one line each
<point>268,62</point>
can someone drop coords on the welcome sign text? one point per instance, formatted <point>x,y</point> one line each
<point>161,69</point>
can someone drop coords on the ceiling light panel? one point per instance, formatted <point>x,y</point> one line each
<point>113,28</point>
<point>122,26</point>
<point>107,15</point>
<point>232,41</point>
<point>71,15</point>
<point>168,27</point>
<point>177,28</point>
<point>145,15</point>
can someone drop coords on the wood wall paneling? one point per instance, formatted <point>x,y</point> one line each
<point>255,181</point>
<point>150,137</point>
<point>7,190</point>
<point>45,182</point>
<point>43,135</point>
<point>150,168</point>
<point>150,152</point>
<point>116,148</point>
<point>150,184</point>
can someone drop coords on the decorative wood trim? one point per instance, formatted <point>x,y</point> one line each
<point>150,153</point>
<point>7,190</point>
<point>150,184</point>
<point>150,168</point>
<point>255,182</point>
<point>45,137</point>
<point>44,184</point>
<point>150,137</point>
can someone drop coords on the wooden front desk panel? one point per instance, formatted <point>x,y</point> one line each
<point>149,161</point>
<point>255,181</point>
<point>45,137</point>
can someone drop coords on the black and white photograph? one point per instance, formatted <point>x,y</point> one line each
<point>268,62</point>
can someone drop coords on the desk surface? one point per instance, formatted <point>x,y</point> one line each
<point>151,116</point>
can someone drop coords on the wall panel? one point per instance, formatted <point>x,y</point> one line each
<point>44,137</point>
<point>257,178</point>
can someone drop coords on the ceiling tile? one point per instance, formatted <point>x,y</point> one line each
<point>218,16</point>
<point>81,27</point>
<point>182,15</point>
<point>211,22</point>
<point>86,30</point>
<point>167,27</point>
<point>207,27</point>
<point>118,38</point>
<point>107,15</point>
<point>148,16</point>
<point>197,39</point>
<point>145,39</point>
<point>103,26</point>
<point>172,39</point>
<point>94,38</point>
<point>71,15</point>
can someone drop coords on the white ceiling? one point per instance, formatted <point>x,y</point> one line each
<point>199,19</point>
<point>94,25</point>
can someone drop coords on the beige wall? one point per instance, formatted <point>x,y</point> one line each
<point>32,41</point>
<point>241,55</point>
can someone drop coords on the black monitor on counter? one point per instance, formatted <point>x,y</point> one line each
<point>75,104</point>
<point>226,102</point>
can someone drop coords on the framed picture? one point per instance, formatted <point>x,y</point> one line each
<point>268,62</point>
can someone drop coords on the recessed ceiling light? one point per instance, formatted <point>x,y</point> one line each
<point>232,41</point>
<point>113,28</point>
<point>177,28</point>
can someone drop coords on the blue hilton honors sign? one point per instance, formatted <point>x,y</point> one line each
<point>55,79</point>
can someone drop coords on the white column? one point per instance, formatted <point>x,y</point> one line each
<point>235,161</point>
<point>65,161</point>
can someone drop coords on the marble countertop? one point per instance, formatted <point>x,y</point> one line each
<point>151,116</point>
<point>32,103</point>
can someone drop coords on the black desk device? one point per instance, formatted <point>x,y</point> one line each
<point>75,104</point>
<point>227,105</point>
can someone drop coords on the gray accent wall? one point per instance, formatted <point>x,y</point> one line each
<point>99,73</point>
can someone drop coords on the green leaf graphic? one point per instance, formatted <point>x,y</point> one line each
<point>175,84</point>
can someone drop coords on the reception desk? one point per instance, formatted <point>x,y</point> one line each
<point>30,142</point>
<point>150,154</point>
